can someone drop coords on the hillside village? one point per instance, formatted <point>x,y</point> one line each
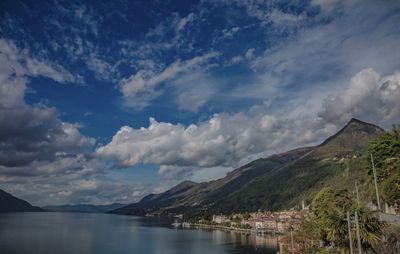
<point>260,222</point>
<point>264,222</point>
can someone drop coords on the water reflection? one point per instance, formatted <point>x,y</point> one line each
<point>65,233</point>
<point>257,241</point>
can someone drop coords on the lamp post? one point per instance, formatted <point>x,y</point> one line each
<point>358,233</point>
<point>291,238</point>
<point>349,232</point>
<point>376,184</point>
<point>357,195</point>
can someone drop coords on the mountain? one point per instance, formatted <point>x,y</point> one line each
<point>299,180</point>
<point>9,203</point>
<point>194,197</point>
<point>85,208</point>
<point>277,182</point>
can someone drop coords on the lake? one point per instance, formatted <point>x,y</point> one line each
<point>68,233</point>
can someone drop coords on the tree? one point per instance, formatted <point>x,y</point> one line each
<point>329,209</point>
<point>384,149</point>
<point>391,189</point>
<point>371,229</point>
<point>386,152</point>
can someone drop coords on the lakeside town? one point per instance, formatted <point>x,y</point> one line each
<point>274,228</point>
<point>260,222</point>
<point>268,222</point>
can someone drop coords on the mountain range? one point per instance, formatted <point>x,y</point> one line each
<point>9,203</point>
<point>277,182</point>
<point>84,208</point>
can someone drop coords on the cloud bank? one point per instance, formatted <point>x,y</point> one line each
<point>230,139</point>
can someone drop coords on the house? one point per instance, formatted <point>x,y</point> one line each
<point>219,219</point>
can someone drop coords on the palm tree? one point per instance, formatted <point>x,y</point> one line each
<point>371,228</point>
<point>330,215</point>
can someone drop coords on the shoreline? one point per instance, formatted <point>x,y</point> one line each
<point>206,226</point>
<point>230,229</point>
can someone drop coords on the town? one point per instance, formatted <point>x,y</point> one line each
<point>260,222</point>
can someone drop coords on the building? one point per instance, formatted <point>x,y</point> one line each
<point>219,219</point>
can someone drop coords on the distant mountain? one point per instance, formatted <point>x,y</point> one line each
<point>277,182</point>
<point>9,203</point>
<point>84,208</point>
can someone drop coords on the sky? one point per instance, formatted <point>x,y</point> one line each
<point>108,101</point>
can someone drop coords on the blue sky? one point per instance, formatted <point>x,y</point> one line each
<point>106,102</point>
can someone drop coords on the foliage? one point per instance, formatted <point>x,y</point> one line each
<point>308,236</point>
<point>391,189</point>
<point>328,199</point>
<point>301,179</point>
<point>281,188</point>
<point>386,153</point>
<point>383,149</point>
<point>329,223</point>
<point>246,215</point>
<point>371,228</point>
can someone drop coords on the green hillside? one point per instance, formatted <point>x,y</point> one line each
<point>195,198</point>
<point>277,182</point>
<point>337,161</point>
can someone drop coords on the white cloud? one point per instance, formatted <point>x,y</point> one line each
<point>268,12</point>
<point>329,6</point>
<point>236,59</point>
<point>32,137</point>
<point>36,68</point>
<point>229,33</point>
<point>194,89</point>
<point>184,21</point>
<point>21,63</point>
<point>146,81</point>
<point>74,189</point>
<point>279,18</point>
<point>102,69</point>
<point>250,53</point>
<point>368,96</point>
<point>229,140</point>
<point>223,140</point>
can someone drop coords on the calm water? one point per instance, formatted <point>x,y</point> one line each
<point>69,233</point>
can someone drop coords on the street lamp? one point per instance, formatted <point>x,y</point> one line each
<point>376,184</point>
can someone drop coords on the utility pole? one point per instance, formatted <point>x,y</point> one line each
<point>349,232</point>
<point>358,233</point>
<point>376,184</point>
<point>357,195</point>
<point>291,237</point>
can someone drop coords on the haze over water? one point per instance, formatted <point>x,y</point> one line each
<point>69,233</point>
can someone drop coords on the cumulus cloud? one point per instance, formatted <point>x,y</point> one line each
<point>368,96</point>
<point>223,140</point>
<point>228,140</point>
<point>31,135</point>
<point>38,151</point>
